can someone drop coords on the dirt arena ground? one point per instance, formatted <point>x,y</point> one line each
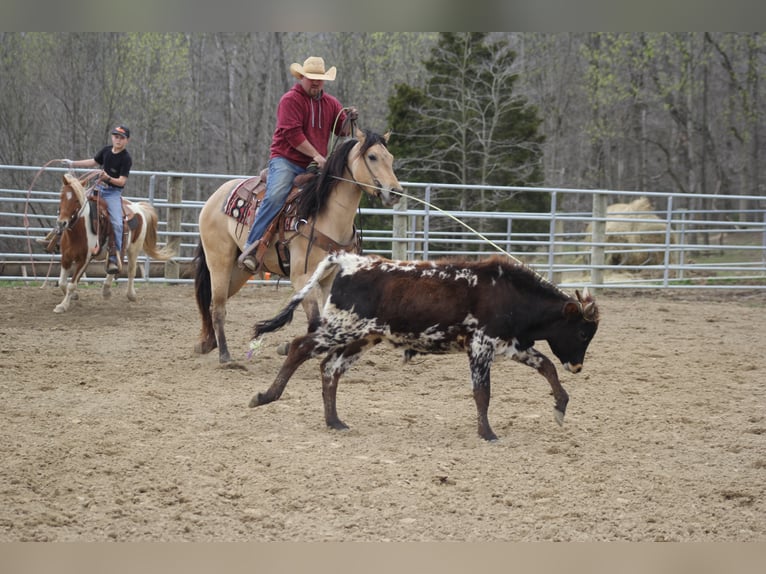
<point>113,430</point>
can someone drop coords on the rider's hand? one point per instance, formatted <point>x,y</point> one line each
<point>352,114</point>
<point>66,162</point>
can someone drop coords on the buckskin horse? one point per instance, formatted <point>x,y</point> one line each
<point>322,219</point>
<point>84,237</point>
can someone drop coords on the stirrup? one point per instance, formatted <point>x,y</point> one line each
<point>112,265</point>
<point>247,259</point>
<point>250,263</point>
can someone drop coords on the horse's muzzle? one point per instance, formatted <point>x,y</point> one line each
<point>389,197</point>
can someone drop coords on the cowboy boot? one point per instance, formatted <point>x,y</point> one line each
<point>112,265</point>
<point>50,241</point>
<point>247,259</point>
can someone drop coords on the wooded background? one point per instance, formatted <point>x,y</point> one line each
<point>634,111</point>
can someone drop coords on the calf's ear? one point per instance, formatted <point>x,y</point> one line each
<point>588,304</point>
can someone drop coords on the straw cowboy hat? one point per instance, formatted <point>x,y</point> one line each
<point>313,69</point>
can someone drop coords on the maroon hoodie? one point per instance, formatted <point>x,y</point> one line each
<point>299,118</point>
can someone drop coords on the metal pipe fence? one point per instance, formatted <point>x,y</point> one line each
<point>682,241</point>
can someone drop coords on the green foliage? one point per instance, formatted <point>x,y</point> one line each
<point>468,126</point>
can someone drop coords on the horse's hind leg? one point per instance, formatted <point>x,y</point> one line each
<point>301,349</point>
<point>225,282</point>
<point>132,264</point>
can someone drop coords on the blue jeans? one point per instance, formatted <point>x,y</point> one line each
<point>279,182</point>
<point>113,198</point>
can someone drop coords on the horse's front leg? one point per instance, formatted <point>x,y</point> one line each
<point>218,313</point>
<point>69,287</point>
<point>543,365</point>
<point>63,279</point>
<point>311,308</point>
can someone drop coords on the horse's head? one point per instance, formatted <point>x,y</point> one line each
<point>71,201</point>
<point>372,167</point>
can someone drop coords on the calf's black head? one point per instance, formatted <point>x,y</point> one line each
<point>571,338</point>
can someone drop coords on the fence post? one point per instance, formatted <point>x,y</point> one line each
<point>597,240</point>
<point>668,240</point>
<point>426,222</point>
<point>175,195</point>
<point>148,262</point>
<point>552,239</point>
<point>399,243</point>
<point>681,244</point>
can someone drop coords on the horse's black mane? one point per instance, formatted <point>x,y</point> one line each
<point>314,196</point>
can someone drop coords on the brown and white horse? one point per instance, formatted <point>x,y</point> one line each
<point>81,243</point>
<point>326,208</point>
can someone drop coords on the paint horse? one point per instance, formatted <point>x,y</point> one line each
<point>83,224</point>
<point>323,221</point>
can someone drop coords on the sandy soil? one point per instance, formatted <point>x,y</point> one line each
<point>112,429</point>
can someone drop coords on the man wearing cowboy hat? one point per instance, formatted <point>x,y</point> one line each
<point>306,117</point>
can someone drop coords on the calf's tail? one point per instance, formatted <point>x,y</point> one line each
<point>285,316</point>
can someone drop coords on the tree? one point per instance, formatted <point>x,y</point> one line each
<point>466,126</point>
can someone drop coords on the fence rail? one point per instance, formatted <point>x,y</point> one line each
<point>680,241</point>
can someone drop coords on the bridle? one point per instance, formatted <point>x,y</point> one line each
<point>76,214</point>
<point>375,181</point>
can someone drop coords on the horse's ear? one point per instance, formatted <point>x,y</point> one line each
<point>386,136</point>
<point>359,134</point>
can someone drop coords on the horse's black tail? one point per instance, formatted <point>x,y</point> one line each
<point>202,290</point>
<point>285,316</point>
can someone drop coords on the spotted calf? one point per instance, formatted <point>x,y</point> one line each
<point>483,308</point>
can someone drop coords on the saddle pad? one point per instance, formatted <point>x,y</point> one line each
<point>240,205</point>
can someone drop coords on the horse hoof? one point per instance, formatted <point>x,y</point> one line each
<point>283,349</point>
<point>59,309</point>
<point>559,416</point>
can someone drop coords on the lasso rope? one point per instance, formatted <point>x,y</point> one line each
<point>86,178</point>
<point>335,138</point>
<point>440,210</point>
